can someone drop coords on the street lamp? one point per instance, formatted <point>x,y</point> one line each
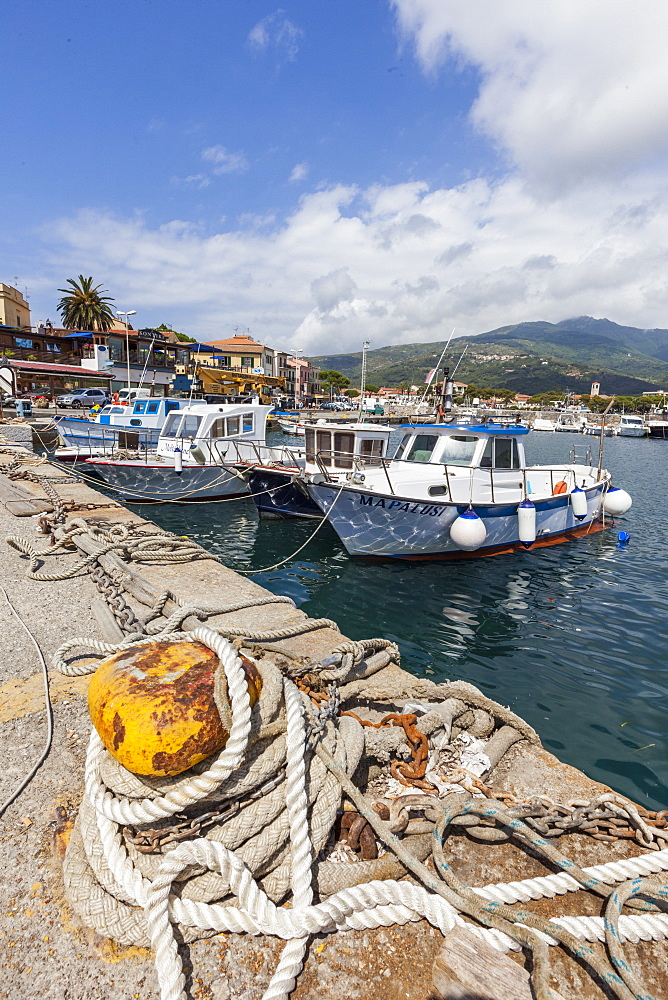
<point>365,348</point>
<point>298,374</point>
<point>131,312</point>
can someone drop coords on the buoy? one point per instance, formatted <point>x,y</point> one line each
<point>153,706</point>
<point>178,461</point>
<point>623,538</point>
<point>467,531</point>
<point>617,501</point>
<point>526,519</point>
<point>579,503</point>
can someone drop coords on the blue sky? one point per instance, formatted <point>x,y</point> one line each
<point>326,172</point>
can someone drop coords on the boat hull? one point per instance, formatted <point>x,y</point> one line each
<point>80,432</point>
<point>141,482</point>
<point>400,528</point>
<point>277,495</point>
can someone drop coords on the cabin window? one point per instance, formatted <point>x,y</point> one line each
<point>232,426</point>
<point>134,422</point>
<point>438,491</point>
<point>153,407</point>
<point>500,453</point>
<point>189,425</point>
<point>171,425</point>
<point>399,453</point>
<point>218,428</point>
<point>422,448</point>
<point>343,449</point>
<point>371,449</point>
<point>171,406</point>
<point>309,443</point>
<point>139,408</point>
<point>324,446</point>
<point>458,449</point>
<point>105,409</point>
<point>247,422</point>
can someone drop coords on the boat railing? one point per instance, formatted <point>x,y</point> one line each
<point>255,453</point>
<point>554,475</point>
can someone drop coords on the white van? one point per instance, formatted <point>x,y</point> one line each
<point>129,396</point>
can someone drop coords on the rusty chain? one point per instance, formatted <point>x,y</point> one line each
<point>115,601</point>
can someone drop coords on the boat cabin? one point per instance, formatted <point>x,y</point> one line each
<point>340,447</point>
<point>143,413</point>
<point>484,446</point>
<point>207,432</point>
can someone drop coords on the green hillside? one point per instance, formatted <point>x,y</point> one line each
<point>528,357</point>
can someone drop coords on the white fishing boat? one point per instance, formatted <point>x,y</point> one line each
<point>595,430</point>
<point>456,490</point>
<point>295,427</point>
<point>657,425</point>
<point>630,426</point>
<point>277,482</point>
<point>201,453</point>
<point>543,424</point>
<point>135,426</point>
<point>570,423</point>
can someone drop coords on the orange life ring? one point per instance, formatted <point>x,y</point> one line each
<point>560,487</point>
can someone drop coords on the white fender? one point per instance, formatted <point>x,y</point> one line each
<point>178,461</point>
<point>526,523</point>
<point>467,531</point>
<point>579,503</point>
<point>617,501</point>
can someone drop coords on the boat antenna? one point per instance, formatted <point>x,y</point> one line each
<point>434,370</point>
<point>445,405</point>
<point>192,381</point>
<point>460,360</point>
<point>602,438</point>
<point>148,356</point>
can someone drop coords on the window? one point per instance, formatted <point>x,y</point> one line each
<point>438,491</point>
<point>324,446</point>
<point>225,362</point>
<point>153,407</point>
<point>53,348</point>
<point>248,423</point>
<point>218,428</point>
<point>372,450</point>
<point>422,448</point>
<point>458,449</point>
<point>189,425</point>
<point>139,408</point>
<point>500,453</point>
<point>171,406</point>
<point>115,350</point>
<point>343,448</point>
<point>248,362</point>
<point>309,443</point>
<point>23,341</point>
<point>402,447</point>
<point>232,426</point>
<point>171,425</point>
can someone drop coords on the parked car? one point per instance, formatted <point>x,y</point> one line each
<point>80,398</point>
<point>335,406</point>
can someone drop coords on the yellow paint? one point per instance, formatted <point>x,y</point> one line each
<point>19,698</point>
<point>153,706</point>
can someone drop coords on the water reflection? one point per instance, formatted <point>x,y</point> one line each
<point>570,637</point>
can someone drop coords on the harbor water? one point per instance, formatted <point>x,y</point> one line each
<point>572,638</point>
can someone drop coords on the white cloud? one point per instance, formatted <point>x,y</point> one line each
<point>193,180</point>
<point>570,91</point>
<point>276,32</point>
<point>328,277</point>
<point>223,161</point>
<point>299,173</point>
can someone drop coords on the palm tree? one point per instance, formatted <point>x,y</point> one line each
<point>83,307</point>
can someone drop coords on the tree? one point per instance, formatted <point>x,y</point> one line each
<point>333,379</point>
<point>83,307</point>
<point>352,393</point>
<point>373,389</point>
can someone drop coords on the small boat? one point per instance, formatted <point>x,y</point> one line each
<point>456,490</point>
<point>657,425</point>
<point>595,429</point>
<point>567,422</point>
<point>294,427</point>
<point>201,454</point>
<point>136,426</point>
<point>543,424</point>
<point>279,490</point>
<point>630,426</point>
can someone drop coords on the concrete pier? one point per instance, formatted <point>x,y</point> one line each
<point>46,951</point>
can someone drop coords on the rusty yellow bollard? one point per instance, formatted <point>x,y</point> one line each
<point>153,706</point>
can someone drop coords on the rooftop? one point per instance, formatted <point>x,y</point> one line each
<point>239,342</point>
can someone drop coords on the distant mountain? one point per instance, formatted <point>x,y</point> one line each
<point>528,357</point>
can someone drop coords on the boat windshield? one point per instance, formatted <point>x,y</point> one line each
<point>421,449</point>
<point>171,425</point>
<point>458,449</point>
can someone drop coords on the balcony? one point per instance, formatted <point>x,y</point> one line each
<point>65,357</point>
